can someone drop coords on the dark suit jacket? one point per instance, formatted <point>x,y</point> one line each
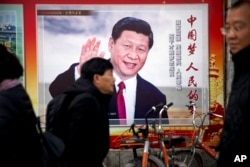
<point>63,81</point>
<point>147,96</point>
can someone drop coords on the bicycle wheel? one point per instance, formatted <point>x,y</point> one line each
<point>133,163</point>
<point>184,159</point>
<point>153,161</point>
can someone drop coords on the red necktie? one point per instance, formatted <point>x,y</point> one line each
<point>121,103</point>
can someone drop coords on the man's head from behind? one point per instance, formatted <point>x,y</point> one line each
<point>130,42</point>
<point>10,66</point>
<point>237,28</point>
<point>100,72</point>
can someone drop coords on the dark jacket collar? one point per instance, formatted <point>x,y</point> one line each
<point>241,62</point>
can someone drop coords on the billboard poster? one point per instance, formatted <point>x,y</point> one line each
<point>11,29</point>
<point>178,64</point>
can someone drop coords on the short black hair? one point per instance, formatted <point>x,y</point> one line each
<point>94,66</point>
<point>133,24</point>
<point>239,3</point>
<point>10,66</point>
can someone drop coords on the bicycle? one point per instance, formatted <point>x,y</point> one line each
<point>198,130</point>
<point>160,133</point>
<point>140,139</point>
<point>161,157</point>
<point>176,158</point>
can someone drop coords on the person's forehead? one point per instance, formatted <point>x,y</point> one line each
<point>238,14</point>
<point>133,34</point>
<point>129,31</point>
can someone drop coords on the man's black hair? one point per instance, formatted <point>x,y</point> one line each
<point>133,24</point>
<point>94,66</point>
<point>239,3</point>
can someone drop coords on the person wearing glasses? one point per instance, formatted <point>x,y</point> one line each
<point>234,144</point>
<point>129,45</point>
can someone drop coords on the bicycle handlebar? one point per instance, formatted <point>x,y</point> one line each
<point>164,108</point>
<point>153,109</point>
<point>198,133</point>
<point>192,107</point>
<point>145,131</point>
<point>216,115</point>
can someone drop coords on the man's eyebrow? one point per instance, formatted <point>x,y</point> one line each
<point>236,22</point>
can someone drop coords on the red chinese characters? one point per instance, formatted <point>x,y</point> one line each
<point>192,37</point>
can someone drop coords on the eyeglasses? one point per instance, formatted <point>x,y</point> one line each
<point>234,30</point>
<point>226,31</point>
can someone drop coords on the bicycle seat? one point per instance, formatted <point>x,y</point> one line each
<point>174,140</point>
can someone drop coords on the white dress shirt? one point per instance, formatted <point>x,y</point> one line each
<point>77,75</point>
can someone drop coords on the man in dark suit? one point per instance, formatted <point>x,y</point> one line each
<point>129,45</point>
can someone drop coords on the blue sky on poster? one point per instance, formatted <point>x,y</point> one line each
<point>60,38</point>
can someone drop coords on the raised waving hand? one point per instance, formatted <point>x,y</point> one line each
<point>90,49</point>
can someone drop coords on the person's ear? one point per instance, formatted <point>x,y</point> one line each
<point>111,43</point>
<point>96,78</point>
